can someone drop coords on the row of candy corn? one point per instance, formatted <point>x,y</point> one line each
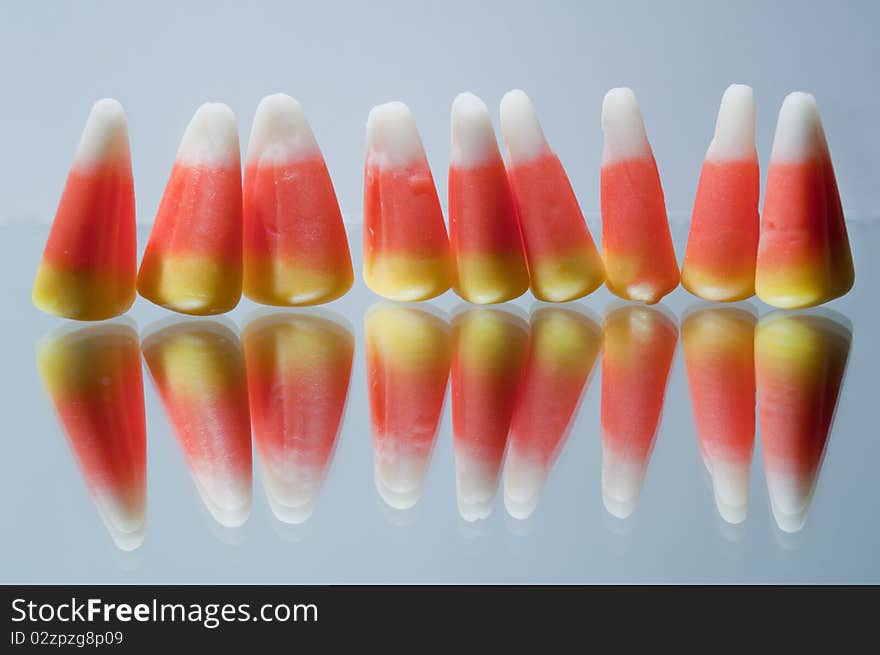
<point>516,389</point>
<point>512,226</point>
<point>518,225</point>
<point>280,238</point>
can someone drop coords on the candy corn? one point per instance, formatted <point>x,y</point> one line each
<point>804,257</point>
<point>489,353</point>
<point>406,249</point>
<point>563,261</point>
<point>93,376</point>
<point>636,244</point>
<point>800,362</point>
<point>90,260</point>
<point>719,262</point>
<point>720,357</point>
<point>408,354</point>
<point>490,265</point>
<point>192,263</point>
<point>295,248</point>
<point>639,343</point>
<point>563,345</point>
<point>198,370</point>
<point>298,369</point>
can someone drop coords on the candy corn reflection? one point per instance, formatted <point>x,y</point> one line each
<point>719,353</point>
<point>93,376</point>
<point>800,362</point>
<point>298,370</point>
<point>639,343</point>
<point>408,353</point>
<point>563,346</point>
<point>198,369</point>
<point>490,347</point>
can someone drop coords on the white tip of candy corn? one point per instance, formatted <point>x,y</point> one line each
<point>127,541</point>
<point>473,139</point>
<point>623,127</point>
<point>523,482</point>
<point>291,488</point>
<point>227,496</point>
<point>281,132</point>
<point>523,136</point>
<point>798,129</point>
<point>734,138</point>
<point>790,496</point>
<point>730,482</point>
<point>392,136</point>
<point>472,510</point>
<point>622,480</point>
<point>211,138</point>
<point>399,479</point>
<point>125,523</point>
<point>105,136</point>
<point>475,486</point>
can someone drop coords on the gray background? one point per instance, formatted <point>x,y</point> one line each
<point>162,61</point>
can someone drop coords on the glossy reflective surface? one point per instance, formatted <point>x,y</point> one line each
<point>369,441</point>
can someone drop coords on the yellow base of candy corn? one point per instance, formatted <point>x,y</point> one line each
<point>719,288</point>
<point>796,289</point>
<point>487,279</point>
<point>79,295</point>
<point>286,284</point>
<point>408,278</point>
<point>624,280</point>
<point>191,285</point>
<point>566,277</point>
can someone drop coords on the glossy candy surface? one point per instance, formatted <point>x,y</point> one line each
<point>89,263</point>
<point>490,265</point>
<point>719,262</point>
<point>406,248</point>
<point>804,256</point>
<point>719,351</point>
<point>564,263</point>
<point>193,262</point>
<point>637,350</point>
<point>637,246</point>
<point>294,243</point>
